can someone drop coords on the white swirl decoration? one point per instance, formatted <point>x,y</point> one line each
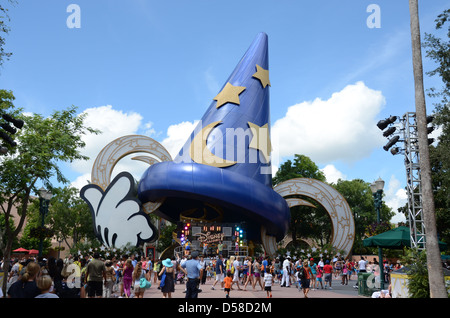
<point>334,203</point>
<point>121,147</point>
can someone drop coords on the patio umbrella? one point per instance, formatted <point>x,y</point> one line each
<point>394,239</point>
<point>33,252</point>
<point>20,250</point>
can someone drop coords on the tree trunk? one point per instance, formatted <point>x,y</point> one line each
<point>434,263</point>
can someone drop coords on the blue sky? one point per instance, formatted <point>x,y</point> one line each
<point>153,67</point>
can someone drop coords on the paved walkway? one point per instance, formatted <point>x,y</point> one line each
<point>337,291</point>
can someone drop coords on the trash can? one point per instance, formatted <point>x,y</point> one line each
<point>363,289</point>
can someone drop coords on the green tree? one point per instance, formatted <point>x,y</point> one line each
<point>438,50</point>
<point>418,282</point>
<point>42,145</point>
<point>4,29</point>
<point>302,167</point>
<point>359,197</point>
<point>69,216</point>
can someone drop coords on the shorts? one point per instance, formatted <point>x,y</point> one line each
<point>95,288</point>
<point>319,279</point>
<point>227,289</point>
<point>305,283</point>
<point>268,288</point>
<point>327,277</point>
<point>219,277</point>
<point>137,289</point>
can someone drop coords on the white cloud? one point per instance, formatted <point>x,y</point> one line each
<point>112,124</point>
<point>395,197</point>
<point>332,174</point>
<point>340,128</point>
<point>177,135</point>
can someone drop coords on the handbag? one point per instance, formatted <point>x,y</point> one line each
<point>144,283</point>
<point>163,278</point>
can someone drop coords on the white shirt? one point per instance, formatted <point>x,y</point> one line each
<point>267,279</point>
<point>286,263</point>
<point>362,264</point>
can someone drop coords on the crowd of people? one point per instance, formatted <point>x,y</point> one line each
<point>130,276</point>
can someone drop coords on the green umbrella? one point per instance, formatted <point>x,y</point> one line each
<point>394,239</point>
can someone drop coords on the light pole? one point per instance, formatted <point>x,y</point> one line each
<point>377,191</point>
<point>44,201</point>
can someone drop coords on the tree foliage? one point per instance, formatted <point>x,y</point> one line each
<point>360,199</point>
<point>4,30</point>
<point>438,50</point>
<point>43,144</point>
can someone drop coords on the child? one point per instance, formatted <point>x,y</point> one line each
<point>319,276</point>
<point>227,283</point>
<point>298,275</point>
<point>268,280</point>
<point>44,283</point>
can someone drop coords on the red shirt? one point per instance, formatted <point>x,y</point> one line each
<point>328,269</point>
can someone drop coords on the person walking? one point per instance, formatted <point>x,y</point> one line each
<point>306,278</point>
<point>193,271</point>
<point>313,267</point>
<point>286,272</point>
<point>96,273</point>
<point>328,273</point>
<point>268,281</point>
<point>228,281</point>
<point>235,271</point>
<point>319,274</point>
<point>219,272</point>
<point>138,273</point>
<point>362,265</point>
<point>249,273</point>
<point>127,277</point>
<point>344,273</point>
<point>169,280</point>
<point>257,274</point>
<point>109,280</point>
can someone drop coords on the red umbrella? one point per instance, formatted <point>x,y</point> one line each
<point>33,252</point>
<point>20,250</point>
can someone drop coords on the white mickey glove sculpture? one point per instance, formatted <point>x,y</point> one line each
<point>117,213</point>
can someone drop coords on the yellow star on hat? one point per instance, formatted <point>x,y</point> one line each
<point>262,75</point>
<point>229,94</point>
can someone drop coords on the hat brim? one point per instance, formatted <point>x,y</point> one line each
<point>167,264</point>
<point>183,183</point>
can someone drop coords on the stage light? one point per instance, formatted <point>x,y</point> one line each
<point>382,124</point>
<point>389,131</point>
<point>391,143</point>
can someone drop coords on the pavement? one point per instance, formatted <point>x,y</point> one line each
<point>337,291</point>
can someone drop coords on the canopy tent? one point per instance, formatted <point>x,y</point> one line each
<point>20,250</point>
<point>33,252</point>
<point>394,239</point>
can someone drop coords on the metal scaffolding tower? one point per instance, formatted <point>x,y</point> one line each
<point>405,129</point>
<point>413,181</point>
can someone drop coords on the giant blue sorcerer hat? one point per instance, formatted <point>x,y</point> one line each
<point>223,172</point>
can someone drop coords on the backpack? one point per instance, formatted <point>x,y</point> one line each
<point>301,273</point>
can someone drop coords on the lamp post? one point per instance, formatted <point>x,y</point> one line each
<point>377,191</point>
<point>44,201</point>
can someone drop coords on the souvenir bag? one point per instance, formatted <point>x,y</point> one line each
<point>144,283</point>
<point>163,278</point>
